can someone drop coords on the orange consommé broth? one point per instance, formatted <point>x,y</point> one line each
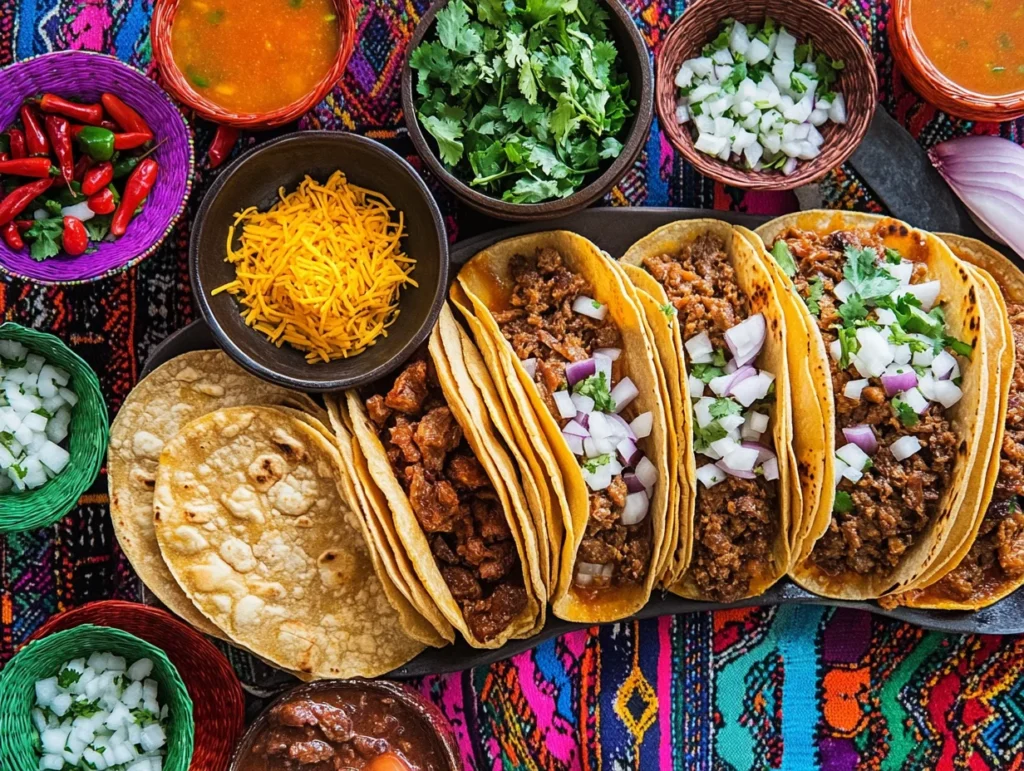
<point>977,44</point>
<point>254,55</point>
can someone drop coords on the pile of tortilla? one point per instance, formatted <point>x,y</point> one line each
<point>230,499</point>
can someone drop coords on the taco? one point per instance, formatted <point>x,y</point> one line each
<point>729,349</point>
<point>573,345</point>
<point>902,323</point>
<point>458,509</point>
<point>991,564</point>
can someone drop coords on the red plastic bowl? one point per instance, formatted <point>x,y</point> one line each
<point>217,698</point>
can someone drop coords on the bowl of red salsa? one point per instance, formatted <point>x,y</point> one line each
<point>373,725</point>
<point>964,56</point>
<point>252,64</point>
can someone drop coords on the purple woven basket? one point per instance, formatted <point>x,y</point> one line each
<point>84,75</point>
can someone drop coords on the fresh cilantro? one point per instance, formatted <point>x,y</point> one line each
<point>83,708</point>
<point>843,503</point>
<point>816,290</point>
<point>784,257</point>
<point>897,336</point>
<point>596,387</point>
<point>592,464</point>
<point>668,309</point>
<point>720,408</point>
<point>892,256</point>
<point>98,227</point>
<point>6,437</point>
<point>703,437</point>
<point>848,345</point>
<point>68,677</point>
<point>145,717</point>
<point>958,346</point>
<point>869,279</point>
<point>706,372</point>
<point>524,99</point>
<point>18,471</point>
<point>853,310</point>
<point>905,412</point>
<point>45,236</point>
<point>45,413</point>
<point>718,357</point>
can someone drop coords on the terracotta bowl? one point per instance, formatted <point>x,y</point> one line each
<point>807,19</point>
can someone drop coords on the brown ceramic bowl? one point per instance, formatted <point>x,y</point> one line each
<point>436,723</point>
<point>637,64</point>
<point>807,19</point>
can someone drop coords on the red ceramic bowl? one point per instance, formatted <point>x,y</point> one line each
<point>177,84</point>
<point>217,699</point>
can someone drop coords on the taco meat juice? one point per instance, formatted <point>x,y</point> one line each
<point>544,329</point>
<point>997,555</point>
<point>882,506</point>
<point>452,498</point>
<point>735,518</point>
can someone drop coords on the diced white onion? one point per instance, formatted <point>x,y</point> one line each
<point>563,401</point>
<point>853,456</point>
<point>588,306</point>
<point>904,447</point>
<point>854,388</point>
<point>647,473</point>
<point>642,424</point>
<point>622,395</point>
<point>699,348</point>
<point>946,392</point>
<point>710,475</point>
<point>635,510</point>
<point>770,469</point>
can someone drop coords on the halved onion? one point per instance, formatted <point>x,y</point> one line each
<point>563,400</point>
<point>588,306</point>
<point>904,447</point>
<point>862,436</point>
<point>635,510</point>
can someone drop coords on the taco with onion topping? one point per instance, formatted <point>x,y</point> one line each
<point>902,330</point>
<point>728,349</point>
<point>560,320</point>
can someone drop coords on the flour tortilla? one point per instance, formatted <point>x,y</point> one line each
<point>177,392</point>
<point>251,520</point>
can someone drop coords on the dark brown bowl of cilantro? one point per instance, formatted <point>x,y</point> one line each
<point>529,109</point>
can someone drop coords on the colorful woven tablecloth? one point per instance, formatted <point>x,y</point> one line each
<point>794,687</point>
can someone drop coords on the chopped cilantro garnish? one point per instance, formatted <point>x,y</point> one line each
<point>668,309</point>
<point>703,437</point>
<point>848,345</point>
<point>869,279</point>
<point>892,256</point>
<point>853,310</point>
<point>706,372</point>
<point>68,677</point>
<point>45,413</point>
<point>83,708</point>
<point>958,346</point>
<point>145,717</point>
<point>596,304</point>
<point>784,257</point>
<point>18,471</point>
<point>596,387</point>
<point>593,464</point>
<point>718,357</point>
<point>816,290</point>
<point>906,413</point>
<point>897,336</point>
<point>844,502</point>
<point>722,407</point>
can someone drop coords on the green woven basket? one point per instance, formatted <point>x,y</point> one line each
<point>19,742</point>
<point>87,439</point>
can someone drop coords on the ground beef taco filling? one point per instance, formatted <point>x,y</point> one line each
<point>452,498</point>
<point>895,373</point>
<point>997,555</point>
<point>569,344</point>
<point>736,508</point>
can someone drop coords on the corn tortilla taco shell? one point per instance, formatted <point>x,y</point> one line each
<point>251,520</point>
<point>487,282</point>
<point>756,284</point>
<point>949,524</point>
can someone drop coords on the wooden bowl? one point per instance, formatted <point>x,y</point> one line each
<point>177,84</point>
<point>637,64</point>
<point>935,87</point>
<point>804,18</point>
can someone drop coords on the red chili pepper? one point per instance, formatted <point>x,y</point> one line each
<point>137,188</point>
<point>4,157</point>
<point>24,225</point>
<point>18,200</point>
<point>222,144</point>
<point>59,131</point>
<point>125,116</point>
<point>29,167</point>
<point>82,165</point>
<point>100,175</point>
<point>35,137</point>
<point>75,240</point>
<point>109,125</point>
<point>17,137</point>
<point>13,237</point>
<point>83,113</point>
<point>129,141</point>
<point>102,202</point>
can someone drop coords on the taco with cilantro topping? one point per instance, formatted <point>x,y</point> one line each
<point>900,325</point>
<point>727,352</point>
<point>561,323</point>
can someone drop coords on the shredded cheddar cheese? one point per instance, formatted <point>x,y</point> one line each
<point>322,270</point>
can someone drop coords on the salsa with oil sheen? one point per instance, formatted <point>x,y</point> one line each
<point>254,56</point>
<point>344,728</point>
<point>978,44</point>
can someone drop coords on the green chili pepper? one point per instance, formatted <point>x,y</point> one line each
<point>124,166</point>
<point>70,194</point>
<point>117,195</point>
<point>5,143</point>
<point>97,142</point>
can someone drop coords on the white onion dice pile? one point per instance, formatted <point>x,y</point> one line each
<point>100,714</point>
<point>35,413</point>
<point>757,99</point>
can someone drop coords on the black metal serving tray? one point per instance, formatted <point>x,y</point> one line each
<point>614,230</point>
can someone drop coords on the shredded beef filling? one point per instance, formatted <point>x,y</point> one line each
<point>541,324</point>
<point>895,500</point>
<point>997,554</point>
<point>735,521</point>
<point>452,498</point>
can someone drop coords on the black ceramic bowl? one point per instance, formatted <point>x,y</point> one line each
<point>253,180</point>
<point>635,60</point>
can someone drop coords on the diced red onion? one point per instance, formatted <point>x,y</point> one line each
<point>946,392</point>
<point>530,365</point>
<point>863,436</point>
<point>583,403</point>
<point>710,475</point>
<point>633,483</point>
<point>624,392</point>
<point>699,348</point>
<point>620,427</point>
<point>746,339</point>
<point>628,452</point>
<point>734,472</point>
<point>646,472</point>
<point>579,370</point>
<point>574,428</point>
<point>763,453</point>
<point>916,399</point>
<point>642,424</point>
<point>996,199</point>
<point>635,509</point>
<point>770,469</point>
<point>895,384</point>
<point>609,353</point>
<point>574,442</point>
<point>752,389</point>
<point>904,447</point>
<point>730,366</point>
<point>588,306</point>
<point>563,400</point>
